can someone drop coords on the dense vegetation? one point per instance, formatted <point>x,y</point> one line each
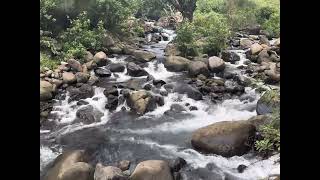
<point>215,20</point>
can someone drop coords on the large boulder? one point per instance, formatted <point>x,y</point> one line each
<point>108,173</point>
<point>255,48</point>
<point>273,73</point>
<point>226,138</point>
<point>82,77</point>
<point>263,56</point>
<point>88,56</point>
<point>141,101</point>
<point>216,64</point>
<point>192,92</point>
<point>100,59</point>
<point>70,165</point>
<point>144,56</point>
<point>88,114</point>
<point>269,101</point>
<point>172,50</point>
<point>152,170</point>
<point>69,78</point>
<point>46,90</point>
<point>75,65</point>
<point>245,43</point>
<point>116,67</point>
<point>198,67</point>
<point>176,63</point>
<point>277,42</point>
<point>85,91</point>
<point>102,72</point>
<point>135,70</point>
<point>230,56</point>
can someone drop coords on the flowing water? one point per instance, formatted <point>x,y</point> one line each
<point>121,135</point>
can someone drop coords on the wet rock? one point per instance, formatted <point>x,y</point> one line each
<point>177,176</point>
<point>264,40</point>
<point>163,93</point>
<point>150,78</point>
<point>85,91</point>
<point>176,63</point>
<point>152,169</point>
<point>115,49</point>
<point>69,78</point>
<point>112,103</point>
<point>269,100</point>
<point>82,77</point>
<point>135,70</point>
<point>101,72</point>
<point>75,65</point>
<point>241,168</point>
<point>263,56</point>
<point>227,138</point>
<point>189,90</point>
<point>159,100</point>
<point>92,80</point>
<point>141,101</point>
<point>88,115</point>
<point>108,173</point>
<point>100,59</point>
<point>233,87</point>
<point>216,64</point>
<point>144,56</point>
<point>158,82</point>
<point>277,42</point>
<point>124,165</point>
<point>260,120</point>
<point>177,164</point>
<point>112,90</point>
<point>193,108</point>
<point>46,90</point>
<point>147,87</point>
<point>198,67</point>
<point>70,165</point>
<point>116,67</point>
<point>82,102</point>
<point>230,56</point>
<point>91,65</point>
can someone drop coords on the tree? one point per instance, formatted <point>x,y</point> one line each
<point>186,7</point>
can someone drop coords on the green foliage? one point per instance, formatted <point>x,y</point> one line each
<point>207,34</point>
<point>153,9</point>
<point>47,61</point>
<point>271,135</point>
<point>46,17</point>
<point>272,25</point>
<point>80,37</point>
<point>186,39</point>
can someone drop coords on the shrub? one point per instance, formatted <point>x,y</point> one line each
<point>272,25</point>
<point>186,39</point>
<point>80,37</point>
<point>48,61</point>
<point>214,28</point>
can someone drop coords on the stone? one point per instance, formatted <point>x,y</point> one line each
<point>92,80</point>
<point>230,56</point>
<point>152,169</point>
<point>116,67</point>
<point>226,138</point>
<point>269,101</point>
<point>141,102</point>
<point>82,77</point>
<point>159,100</point>
<point>135,70</point>
<point>198,67</point>
<point>147,87</point>
<point>88,57</point>
<point>88,115</point>
<point>241,168</point>
<point>255,48</point>
<point>264,40</point>
<point>75,65</point>
<point>245,43</point>
<point>112,103</point>
<point>108,173</point>
<point>176,63</point>
<point>216,64</point>
<point>192,92</point>
<point>158,82</point>
<point>277,42</point>
<point>177,164</point>
<point>124,165</point>
<point>69,78</point>
<point>85,91</point>
<point>46,90</point>
<point>193,108</point>
<point>91,65</point>
<point>100,59</point>
<point>172,50</point>
<point>163,93</point>
<point>102,72</point>
<point>70,165</point>
<point>113,90</point>
<point>144,56</point>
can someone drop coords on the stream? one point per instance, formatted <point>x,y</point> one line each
<point>121,135</point>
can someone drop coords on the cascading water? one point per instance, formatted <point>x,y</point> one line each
<point>122,135</point>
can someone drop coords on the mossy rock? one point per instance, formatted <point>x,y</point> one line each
<point>269,101</point>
